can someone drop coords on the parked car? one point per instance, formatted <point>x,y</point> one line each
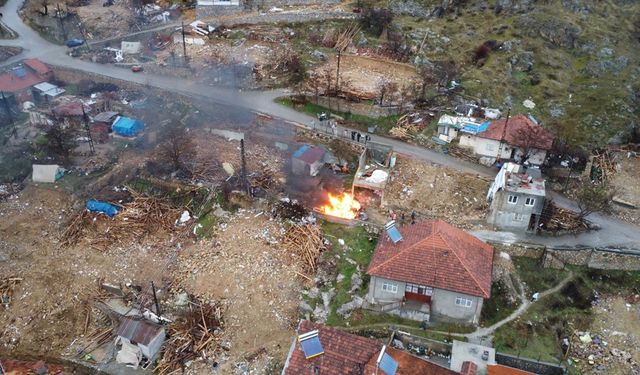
<point>136,68</point>
<point>74,43</point>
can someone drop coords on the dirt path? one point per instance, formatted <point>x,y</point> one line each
<point>482,334</point>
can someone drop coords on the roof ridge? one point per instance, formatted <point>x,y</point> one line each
<point>399,252</point>
<point>466,267</point>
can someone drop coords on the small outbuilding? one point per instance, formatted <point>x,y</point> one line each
<point>307,160</point>
<point>127,127</point>
<point>148,337</point>
<point>47,173</point>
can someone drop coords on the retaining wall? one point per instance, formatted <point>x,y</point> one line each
<point>598,258</point>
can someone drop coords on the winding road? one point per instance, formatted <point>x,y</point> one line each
<point>613,233</point>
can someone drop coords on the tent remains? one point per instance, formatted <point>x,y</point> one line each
<point>47,173</point>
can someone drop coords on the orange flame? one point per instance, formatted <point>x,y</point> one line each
<point>344,206</point>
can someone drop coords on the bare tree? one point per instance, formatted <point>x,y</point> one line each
<point>45,5</point>
<point>177,149</point>
<point>592,197</point>
<point>386,87</point>
<point>528,139</point>
<point>341,150</point>
<point>315,81</point>
<point>405,97</point>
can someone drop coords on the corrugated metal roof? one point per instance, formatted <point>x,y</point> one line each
<point>138,331</point>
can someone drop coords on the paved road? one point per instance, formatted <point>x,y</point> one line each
<point>614,233</point>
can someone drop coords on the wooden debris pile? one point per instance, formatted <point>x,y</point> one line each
<point>462,153</point>
<point>410,124</point>
<point>554,219</point>
<point>306,242</point>
<point>603,166</point>
<point>138,218</point>
<point>6,289</point>
<point>268,178</point>
<point>191,336</point>
<point>290,210</point>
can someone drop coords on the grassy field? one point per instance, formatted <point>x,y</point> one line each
<point>537,333</point>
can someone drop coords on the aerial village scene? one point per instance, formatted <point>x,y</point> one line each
<point>320,187</point>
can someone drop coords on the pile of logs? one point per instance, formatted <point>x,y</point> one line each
<point>306,242</point>
<point>461,154</point>
<point>190,337</point>
<point>410,124</point>
<point>554,219</point>
<point>6,289</point>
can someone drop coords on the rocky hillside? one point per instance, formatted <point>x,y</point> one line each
<point>577,60</point>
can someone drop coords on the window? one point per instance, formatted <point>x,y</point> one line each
<point>513,199</point>
<point>518,217</point>
<point>529,202</point>
<point>418,289</point>
<point>461,301</point>
<point>390,287</point>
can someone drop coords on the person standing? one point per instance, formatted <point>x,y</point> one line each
<point>353,135</point>
<point>413,217</point>
<point>346,133</point>
<point>358,136</point>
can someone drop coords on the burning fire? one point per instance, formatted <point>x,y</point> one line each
<point>344,206</point>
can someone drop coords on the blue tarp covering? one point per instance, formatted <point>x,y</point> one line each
<point>104,207</point>
<point>127,127</point>
<point>299,152</point>
<point>474,128</point>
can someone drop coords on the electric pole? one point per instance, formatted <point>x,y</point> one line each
<point>504,132</point>
<point>6,107</point>
<point>338,79</point>
<point>85,119</point>
<point>155,299</point>
<point>64,32</point>
<point>244,182</point>
<point>184,44</point>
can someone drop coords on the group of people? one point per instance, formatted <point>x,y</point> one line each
<point>357,136</point>
<point>394,216</point>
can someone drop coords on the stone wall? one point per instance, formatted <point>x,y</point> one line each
<point>542,368</point>
<point>599,258</point>
<point>365,109</point>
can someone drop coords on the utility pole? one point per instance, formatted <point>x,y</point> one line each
<point>243,170</point>
<point>84,35</point>
<point>338,79</point>
<point>85,119</point>
<point>155,299</point>
<point>184,44</point>
<point>6,107</point>
<point>504,132</point>
<point>64,32</point>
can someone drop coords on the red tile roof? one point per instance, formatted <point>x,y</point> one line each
<point>519,128</point>
<point>38,66</point>
<point>70,109</point>
<point>408,364</point>
<point>436,254</point>
<point>15,367</point>
<point>349,354</point>
<point>11,83</point>
<point>468,368</point>
<point>344,353</point>
<point>505,370</point>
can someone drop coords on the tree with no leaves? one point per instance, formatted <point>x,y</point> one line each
<point>58,142</point>
<point>386,87</point>
<point>177,149</point>
<point>593,197</point>
<point>528,139</point>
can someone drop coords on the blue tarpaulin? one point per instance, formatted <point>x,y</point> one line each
<point>299,152</point>
<point>104,207</point>
<point>388,364</point>
<point>474,128</point>
<point>127,127</point>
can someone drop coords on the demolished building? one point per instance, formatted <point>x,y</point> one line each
<point>374,165</point>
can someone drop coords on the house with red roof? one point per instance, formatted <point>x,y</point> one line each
<point>318,349</point>
<point>430,271</point>
<point>307,160</point>
<point>517,138</point>
<point>18,81</point>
